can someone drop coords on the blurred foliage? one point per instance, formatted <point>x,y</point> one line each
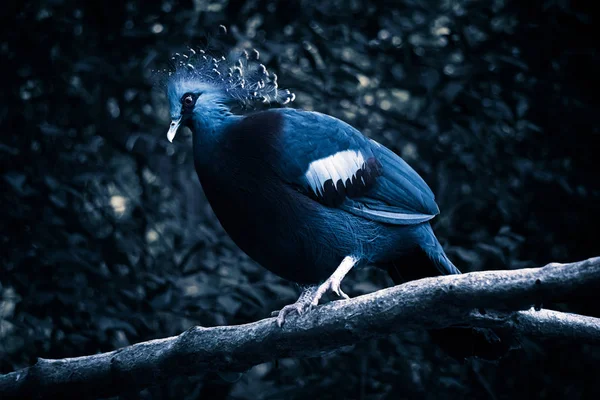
<point>107,239</point>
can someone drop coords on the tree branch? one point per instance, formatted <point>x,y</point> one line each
<point>546,324</point>
<point>430,303</point>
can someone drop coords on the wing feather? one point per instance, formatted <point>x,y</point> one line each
<point>367,179</point>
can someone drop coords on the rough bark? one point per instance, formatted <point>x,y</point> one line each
<point>432,303</point>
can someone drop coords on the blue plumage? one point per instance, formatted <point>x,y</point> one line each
<point>304,194</point>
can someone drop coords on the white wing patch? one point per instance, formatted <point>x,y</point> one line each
<point>342,165</point>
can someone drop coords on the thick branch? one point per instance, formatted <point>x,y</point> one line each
<point>544,324</point>
<point>428,303</point>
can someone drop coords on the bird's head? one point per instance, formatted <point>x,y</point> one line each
<point>193,99</point>
<point>201,89</point>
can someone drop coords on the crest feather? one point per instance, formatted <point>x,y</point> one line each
<point>243,79</point>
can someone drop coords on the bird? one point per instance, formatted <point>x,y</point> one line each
<point>304,194</point>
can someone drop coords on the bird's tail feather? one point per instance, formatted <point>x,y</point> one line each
<point>443,263</point>
<point>434,250</point>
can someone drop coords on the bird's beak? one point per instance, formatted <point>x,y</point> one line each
<point>173,128</point>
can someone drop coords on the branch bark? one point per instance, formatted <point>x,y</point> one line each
<point>431,303</point>
<point>546,324</point>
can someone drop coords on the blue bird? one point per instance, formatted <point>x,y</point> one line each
<point>304,194</point>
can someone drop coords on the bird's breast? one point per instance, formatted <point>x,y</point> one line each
<point>269,220</point>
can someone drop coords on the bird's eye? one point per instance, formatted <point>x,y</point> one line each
<point>187,102</point>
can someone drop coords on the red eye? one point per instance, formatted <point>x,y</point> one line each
<point>188,100</point>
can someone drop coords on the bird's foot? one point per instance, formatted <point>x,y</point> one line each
<point>311,295</point>
<point>331,284</point>
<point>309,298</point>
<point>303,304</point>
<point>334,281</point>
<point>297,307</point>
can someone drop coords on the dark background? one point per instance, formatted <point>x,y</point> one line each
<point>107,239</point>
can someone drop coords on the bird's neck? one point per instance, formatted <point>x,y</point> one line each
<point>207,130</point>
<point>209,121</point>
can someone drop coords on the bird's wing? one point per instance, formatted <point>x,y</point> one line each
<point>339,167</point>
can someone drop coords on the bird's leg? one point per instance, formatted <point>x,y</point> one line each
<point>301,305</point>
<point>333,282</point>
<point>312,294</point>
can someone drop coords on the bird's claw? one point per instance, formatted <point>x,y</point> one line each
<point>335,287</point>
<point>310,298</point>
<point>332,284</point>
<point>297,307</point>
